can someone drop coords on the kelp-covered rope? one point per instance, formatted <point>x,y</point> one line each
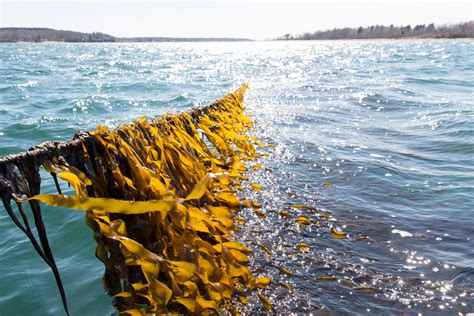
<point>160,196</point>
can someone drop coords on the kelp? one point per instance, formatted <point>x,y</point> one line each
<point>160,197</point>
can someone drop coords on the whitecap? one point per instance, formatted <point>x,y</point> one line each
<point>30,83</point>
<point>402,233</point>
<point>376,155</point>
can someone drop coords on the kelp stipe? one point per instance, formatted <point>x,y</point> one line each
<point>160,198</point>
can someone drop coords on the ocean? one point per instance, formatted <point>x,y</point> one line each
<point>373,138</point>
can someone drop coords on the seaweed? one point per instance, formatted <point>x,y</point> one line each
<point>160,197</point>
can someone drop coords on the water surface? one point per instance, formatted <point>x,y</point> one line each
<point>390,124</point>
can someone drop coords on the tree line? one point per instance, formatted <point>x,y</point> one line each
<point>461,30</point>
<point>20,34</point>
<point>23,34</point>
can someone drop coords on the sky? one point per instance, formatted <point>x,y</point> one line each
<point>255,19</point>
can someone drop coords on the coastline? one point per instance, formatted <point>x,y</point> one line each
<point>45,35</point>
<point>387,39</point>
<point>405,39</point>
<point>460,30</point>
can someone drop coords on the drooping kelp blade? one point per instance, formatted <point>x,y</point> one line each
<point>106,204</point>
<point>160,196</point>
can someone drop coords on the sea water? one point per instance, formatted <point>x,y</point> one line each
<point>376,137</point>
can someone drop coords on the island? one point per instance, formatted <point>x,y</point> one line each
<point>24,34</point>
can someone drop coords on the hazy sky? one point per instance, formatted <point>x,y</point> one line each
<point>257,19</point>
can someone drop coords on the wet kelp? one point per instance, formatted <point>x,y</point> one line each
<point>160,197</point>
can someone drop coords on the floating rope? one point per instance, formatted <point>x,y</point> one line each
<point>160,197</point>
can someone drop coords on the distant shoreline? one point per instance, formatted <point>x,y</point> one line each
<point>420,31</point>
<point>47,35</point>
<point>372,39</point>
<point>41,35</point>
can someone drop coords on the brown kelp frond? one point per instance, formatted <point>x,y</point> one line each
<point>160,197</point>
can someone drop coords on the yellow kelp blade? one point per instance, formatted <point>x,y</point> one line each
<point>337,233</point>
<point>261,282</point>
<point>106,204</point>
<point>74,180</point>
<point>256,186</point>
<point>302,220</point>
<point>200,188</point>
<point>302,246</point>
<point>266,303</point>
<point>190,304</point>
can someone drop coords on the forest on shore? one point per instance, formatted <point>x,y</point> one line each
<point>461,30</point>
<point>23,34</point>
